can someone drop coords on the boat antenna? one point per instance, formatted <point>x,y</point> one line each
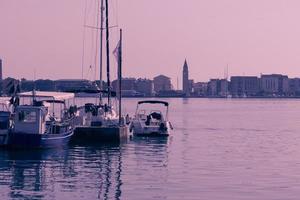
<point>101,46</point>
<point>107,55</point>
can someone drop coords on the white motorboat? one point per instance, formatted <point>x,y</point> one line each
<point>148,122</point>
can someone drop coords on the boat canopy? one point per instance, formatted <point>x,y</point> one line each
<point>53,95</point>
<point>154,102</point>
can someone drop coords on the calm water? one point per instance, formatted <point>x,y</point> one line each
<point>220,149</point>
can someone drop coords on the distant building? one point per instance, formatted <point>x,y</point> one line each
<point>274,84</point>
<point>224,88</point>
<point>162,83</point>
<point>213,87</point>
<point>144,86</point>
<point>185,79</point>
<point>244,86</point>
<point>127,84</point>
<point>294,87</point>
<point>200,89</point>
<point>217,88</point>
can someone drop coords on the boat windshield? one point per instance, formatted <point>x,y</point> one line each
<point>155,110</point>
<point>154,102</point>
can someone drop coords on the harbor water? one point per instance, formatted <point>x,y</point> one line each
<point>219,149</point>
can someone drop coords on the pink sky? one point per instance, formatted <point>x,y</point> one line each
<point>252,36</point>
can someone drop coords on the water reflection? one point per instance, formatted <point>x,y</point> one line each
<point>91,172</point>
<point>25,172</point>
<point>148,168</point>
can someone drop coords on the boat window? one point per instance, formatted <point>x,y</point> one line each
<point>27,116</point>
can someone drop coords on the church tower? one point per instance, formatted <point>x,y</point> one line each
<point>185,79</point>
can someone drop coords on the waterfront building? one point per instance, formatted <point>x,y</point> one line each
<point>274,84</point>
<point>244,86</point>
<point>224,88</point>
<point>200,89</point>
<point>185,79</point>
<point>162,83</point>
<point>294,87</point>
<point>191,86</point>
<point>217,88</point>
<point>144,86</point>
<point>127,84</point>
<point>213,87</point>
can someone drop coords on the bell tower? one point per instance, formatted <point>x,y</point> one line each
<point>185,79</point>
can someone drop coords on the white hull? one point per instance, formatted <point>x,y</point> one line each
<point>139,128</point>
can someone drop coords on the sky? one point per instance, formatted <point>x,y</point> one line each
<point>47,39</point>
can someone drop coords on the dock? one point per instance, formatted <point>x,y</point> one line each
<point>97,134</point>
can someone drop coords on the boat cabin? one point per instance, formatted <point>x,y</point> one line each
<point>30,119</point>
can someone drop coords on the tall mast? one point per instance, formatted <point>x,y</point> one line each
<point>101,46</point>
<point>120,76</point>
<point>107,54</point>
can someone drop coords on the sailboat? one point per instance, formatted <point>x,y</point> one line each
<point>99,120</point>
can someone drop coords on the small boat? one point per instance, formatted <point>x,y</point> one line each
<point>151,123</point>
<point>38,125</point>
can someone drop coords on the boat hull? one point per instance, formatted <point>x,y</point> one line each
<point>152,134</point>
<point>3,137</point>
<point>97,134</point>
<point>27,140</point>
<point>141,130</point>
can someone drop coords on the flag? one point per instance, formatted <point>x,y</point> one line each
<point>117,51</point>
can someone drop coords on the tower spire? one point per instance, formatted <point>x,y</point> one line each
<point>185,79</point>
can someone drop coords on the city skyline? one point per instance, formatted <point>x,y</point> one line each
<point>46,37</point>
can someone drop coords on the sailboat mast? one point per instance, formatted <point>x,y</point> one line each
<point>120,77</point>
<point>107,55</point>
<point>101,46</point>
